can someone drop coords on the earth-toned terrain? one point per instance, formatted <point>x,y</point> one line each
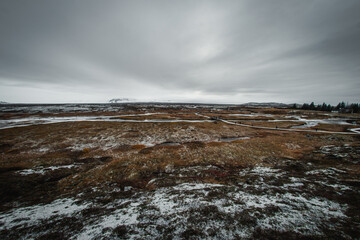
<point>174,171</point>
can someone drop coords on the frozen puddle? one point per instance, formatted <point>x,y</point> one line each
<point>250,115</point>
<point>232,139</point>
<point>308,123</point>
<point>169,144</point>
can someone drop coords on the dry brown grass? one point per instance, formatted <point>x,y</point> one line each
<point>129,162</point>
<point>106,157</point>
<point>139,167</point>
<point>288,124</point>
<point>166,116</point>
<point>332,127</point>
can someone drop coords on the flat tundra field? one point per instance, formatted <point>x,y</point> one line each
<point>177,171</point>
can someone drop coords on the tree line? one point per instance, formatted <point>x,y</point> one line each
<point>341,107</point>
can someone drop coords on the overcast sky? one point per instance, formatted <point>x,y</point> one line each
<point>203,51</point>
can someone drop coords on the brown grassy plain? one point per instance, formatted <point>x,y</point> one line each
<point>151,155</point>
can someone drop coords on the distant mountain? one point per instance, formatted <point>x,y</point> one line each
<point>249,104</point>
<point>266,104</point>
<point>121,100</point>
<point>2,102</point>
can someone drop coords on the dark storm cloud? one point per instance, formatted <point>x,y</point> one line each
<point>199,50</point>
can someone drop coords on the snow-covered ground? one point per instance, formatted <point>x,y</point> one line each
<point>30,216</point>
<point>176,206</point>
<point>28,121</point>
<point>271,201</point>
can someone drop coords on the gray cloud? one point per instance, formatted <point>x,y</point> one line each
<point>223,51</point>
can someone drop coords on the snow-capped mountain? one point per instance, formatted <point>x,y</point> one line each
<point>122,100</point>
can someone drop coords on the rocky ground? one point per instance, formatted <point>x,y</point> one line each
<point>178,173</point>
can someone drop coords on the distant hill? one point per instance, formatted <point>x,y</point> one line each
<point>121,100</point>
<point>249,104</point>
<point>266,104</point>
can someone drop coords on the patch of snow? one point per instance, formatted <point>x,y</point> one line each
<point>27,216</point>
<point>355,130</point>
<point>263,171</point>
<point>172,206</point>
<point>292,146</point>
<point>82,146</point>
<point>28,121</point>
<point>295,184</point>
<point>43,149</point>
<point>128,188</point>
<point>300,214</point>
<point>232,139</point>
<point>127,216</point>
<point>251,115</point>
<point>195,186</point>
<point>335,186</point>
<point>43,170</point>
<point>326,171</point>
<point>169,168</point>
